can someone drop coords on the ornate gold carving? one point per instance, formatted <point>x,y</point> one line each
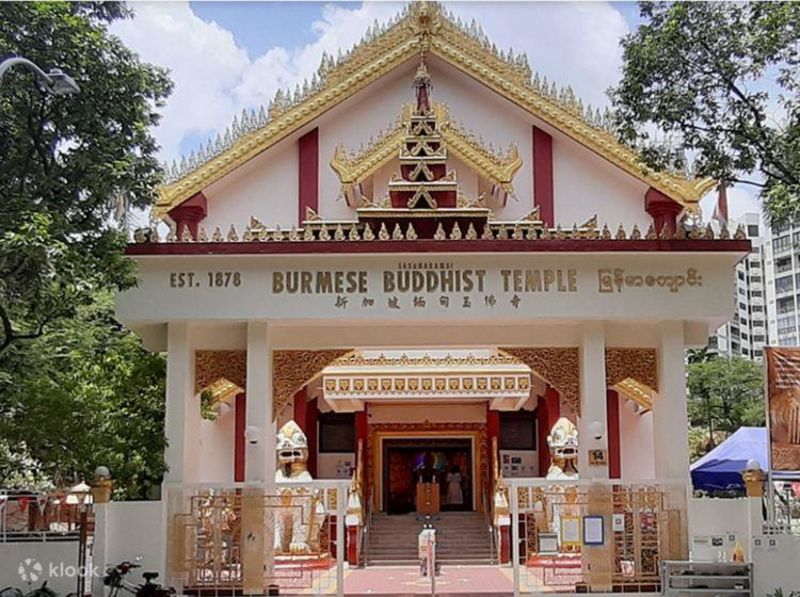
<point>292,369</point>
<point>558,366</point>
<point>211,366</point>
<point>639,364</point>
<point>441,36</point>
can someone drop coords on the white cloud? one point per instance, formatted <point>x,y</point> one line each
<point>572,43</point>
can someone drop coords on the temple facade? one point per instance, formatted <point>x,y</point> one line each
<point>434,279</point>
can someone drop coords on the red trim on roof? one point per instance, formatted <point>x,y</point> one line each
<point>308,173</point>
<point>543,175</point>
<point>446,246</point>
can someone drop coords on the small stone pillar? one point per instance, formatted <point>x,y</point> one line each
<point>754,482</point>
<point>101,486</point>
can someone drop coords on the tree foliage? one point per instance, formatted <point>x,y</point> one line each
<point>67,162</point>
<point>721,79</point>
<point>723,395</point>
<point>85,394</point>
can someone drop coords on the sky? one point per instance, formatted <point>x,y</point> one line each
<point>226,56</point>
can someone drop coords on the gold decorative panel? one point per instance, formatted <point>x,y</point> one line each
<point>292,369</point>
<point>210,366</point>
<point>558,366</point>
<point>639,364</point>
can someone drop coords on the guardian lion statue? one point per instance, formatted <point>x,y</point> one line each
<point>563,442</point>
<point>301,513</point>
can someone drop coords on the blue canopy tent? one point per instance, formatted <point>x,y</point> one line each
<point>722,467</point>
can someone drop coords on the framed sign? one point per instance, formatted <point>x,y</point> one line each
<point>598,457</point>
<point>570,531</point>
<point>593,530</point>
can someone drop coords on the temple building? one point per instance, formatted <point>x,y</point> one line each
<point>433,278</point>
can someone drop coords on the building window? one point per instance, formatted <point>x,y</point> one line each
<point>785,305</point>
<point>517,430</point>
<point>741,275</point>
<point>783,284</point>
<point>756,293</point>
<point>337,432</point>
<point>752,230</point>
<point>782,243</point>
<point>784,264</point>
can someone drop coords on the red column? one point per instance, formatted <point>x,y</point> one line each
<point>308,168</point>
<point>543,175</point>
<point>312,434</point>
<point>301,410</point>
<point>548,409</point>
<point>612,421</point>
<point>240,420</point>
<point>664,210</point>
<point>189,214</point>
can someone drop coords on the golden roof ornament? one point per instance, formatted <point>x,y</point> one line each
<point>308,233</point>
<point>397,233</point>
<point>338,233</point>
<point>353,234</point>
<point>232,235</point>
<point>411,234</point>
<point>323,232</point>
<point>606,233</point>
<point>471,234</point>
<point>636,234</point>
<point>440,234</point>
<point>651,233</point>
<point>383,233</point>
<point>368,234</point>
<point>487,233</point>
<point>456,232</point>
<point>186,235</point>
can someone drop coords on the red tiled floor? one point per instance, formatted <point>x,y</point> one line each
<point>453,580</point>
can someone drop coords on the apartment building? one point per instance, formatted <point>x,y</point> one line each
<point>747,332</point>
<point>782,263</point>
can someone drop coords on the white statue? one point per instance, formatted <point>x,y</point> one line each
<point>301,514</point>
<point>563,442</point>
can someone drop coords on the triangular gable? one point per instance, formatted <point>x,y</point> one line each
<point>420,27</point>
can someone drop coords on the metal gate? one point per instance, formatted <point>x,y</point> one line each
<point>253,539</point>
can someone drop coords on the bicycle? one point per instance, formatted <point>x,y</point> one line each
<point>115,579</point>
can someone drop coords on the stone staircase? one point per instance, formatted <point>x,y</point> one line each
<point>461,538</point>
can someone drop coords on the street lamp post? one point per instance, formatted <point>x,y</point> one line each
<point>54,81</point>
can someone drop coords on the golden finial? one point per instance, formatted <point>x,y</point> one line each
<point>368,234</point>
<point>471,234</point>
<point>560,234</point>
<point>636,234</point>
<point>232,235</point>
<point>293,234</point>
<point>186,235</point>
<point>620,233</point>
<point>411,234</point>
<point>530,234</point>
<point>517,233</point>
<point>323,233</point>
<point>353,234</point>
<point>456,232</point>
<point>308,233</point>
<point>606,233</point>
<point>217,235</point>
<point>397,233</point>
<point>338,233</point>
<point>724,233</point>
<point>440,233</point>
<point>277,235</point>
<point>651,233</point>
<point>202,236</point>
<point>502,234</point>
<point>383,233</point>
<point>546,233</point>
<point>487,232</point>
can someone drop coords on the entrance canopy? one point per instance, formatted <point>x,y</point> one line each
<point>722,467</point>
<point>429,376</point>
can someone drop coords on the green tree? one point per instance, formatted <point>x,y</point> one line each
<point>721,80</point>
<point>723,395</point>
<point>68,163</point>
<point>87,394</point>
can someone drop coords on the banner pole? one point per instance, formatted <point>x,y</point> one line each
<point>768,356</point>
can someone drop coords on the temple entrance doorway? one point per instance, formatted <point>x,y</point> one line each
<point>447,463</point>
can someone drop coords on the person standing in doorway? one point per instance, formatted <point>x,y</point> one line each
<point>455,493</point>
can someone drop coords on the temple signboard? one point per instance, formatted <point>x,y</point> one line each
<point>452,286</point>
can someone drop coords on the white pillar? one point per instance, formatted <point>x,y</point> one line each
<point>593,399</point>
<point>260,457</point>
<point>182,417</point>
<point>670,418</point>
<point>99,550</point>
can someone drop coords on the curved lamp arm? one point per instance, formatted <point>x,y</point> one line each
<point>54,81</point>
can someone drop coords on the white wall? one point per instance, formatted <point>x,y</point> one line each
<point>217,449</point>
<point>717,517</point>
<point>58,561</point>
<point>636,443</point>
<point>585,184</point>
<point>776,566</point>
<point>332,465</point>
<point>127,531</point>
<point>266,187</point>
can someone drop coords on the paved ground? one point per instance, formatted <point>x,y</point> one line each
<point>405,580</point>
